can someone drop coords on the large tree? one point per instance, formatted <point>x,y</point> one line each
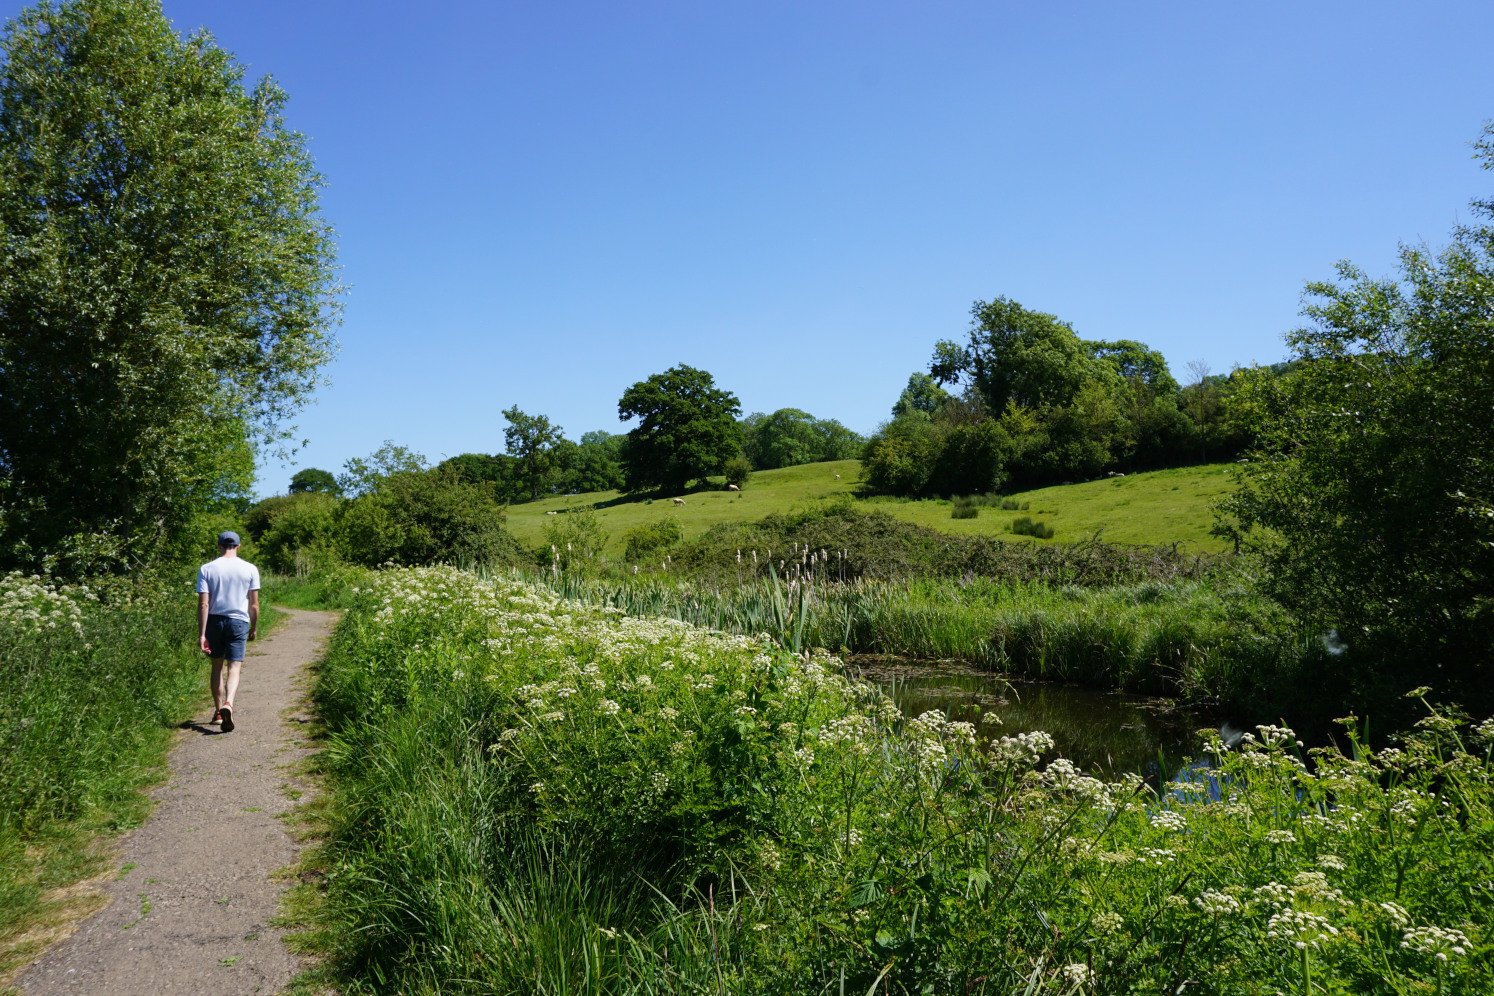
<point>1016,356</point>
<point>686,429</point>
<point>1372,494</point>
<point>167,284</point>
<point>531,440</point>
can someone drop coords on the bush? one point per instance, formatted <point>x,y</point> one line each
<point>301,529</point>
<point>427,517</point>
<point>738,469</point>
<point>92,681</point>
<point>573,538</point>
<point>646,542</point>
<point>1025,525</point>
<point>965,508</point>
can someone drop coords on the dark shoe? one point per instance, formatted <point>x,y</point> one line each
<point>227,715</point>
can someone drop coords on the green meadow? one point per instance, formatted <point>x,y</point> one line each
<point>1158,507</point>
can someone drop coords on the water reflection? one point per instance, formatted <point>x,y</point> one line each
<point>1103,733</point>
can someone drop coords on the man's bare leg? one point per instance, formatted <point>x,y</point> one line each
<point>230,686</point>
<point>231,682</point>
<point>217,685</point>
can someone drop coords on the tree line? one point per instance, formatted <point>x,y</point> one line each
<point>1035,404</point>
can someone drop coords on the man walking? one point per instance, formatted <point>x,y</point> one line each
<point>227,616</point>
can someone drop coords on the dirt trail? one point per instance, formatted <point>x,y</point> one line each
<point>194,909</point>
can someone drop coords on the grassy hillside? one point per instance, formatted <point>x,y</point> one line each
<point>1161,506</point>
<point>1166,506</point>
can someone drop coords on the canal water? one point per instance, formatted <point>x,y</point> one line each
<point>1103,733</point>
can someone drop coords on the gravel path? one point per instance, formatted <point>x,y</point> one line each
<point>193,910</point>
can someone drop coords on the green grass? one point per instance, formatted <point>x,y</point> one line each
<point>1158,507</point>
<point>91,691</point>
<point>1154,508</point>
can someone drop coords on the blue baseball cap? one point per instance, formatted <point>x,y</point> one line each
<point>228,538</point>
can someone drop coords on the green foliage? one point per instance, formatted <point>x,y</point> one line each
<point>737,470</point>
<point>531,441</point>
<point>900,458</point>
<point>426,518</point>
<point>923,394</point>
<point>312,480</point>
<point>167,281</point>
<point>1372,496</point>
<point>595,464</point>
<point>790,437</point>
<point>1016,356</point>
<point>92,683</point>
<point>500,756</point>
<point>1026,525</point>
<point>302,534</point>
<point>964,508</point>
<point>973,459</point>
<point>686,429</point>
<point>362,474</point>
<point>649,541</point>
<point>573,540</point>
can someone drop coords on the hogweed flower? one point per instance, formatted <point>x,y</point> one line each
<point>1078,973</point>
<point>1217,903</point>
<point>1169,819</point>
<point>1300,929</point>
<point>1439,942</point>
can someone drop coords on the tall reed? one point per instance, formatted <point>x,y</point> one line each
<point>1201,640</point>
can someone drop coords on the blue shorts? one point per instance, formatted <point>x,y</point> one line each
<point>226,637</point>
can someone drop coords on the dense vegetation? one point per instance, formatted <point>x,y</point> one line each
<point>167,284</point>
<point>538,796</point>
<point>91,682</point>
<point>1040,406</point>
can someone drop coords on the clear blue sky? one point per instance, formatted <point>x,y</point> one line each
<point>541,203</point>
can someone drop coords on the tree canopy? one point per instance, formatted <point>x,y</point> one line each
<point>312,480</point>
<point>531,440</point>
<point>1015,356</point>
<point>1372,493</point>
<point>361,474</point>
<point>686,429</point>
<point>167,286</point>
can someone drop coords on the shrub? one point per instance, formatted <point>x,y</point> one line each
<point>302,529</point>
<point>965,508</point>
<point>427,517</point>
<point>573,538</point>
<point>737,470</point>
<point>647,541</point>
<point>1025,525</point>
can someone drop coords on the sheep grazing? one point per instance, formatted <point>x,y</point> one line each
<point>679,501</point>
<point>837,477</point>
<point>732,487</point>
<point>551,512</point>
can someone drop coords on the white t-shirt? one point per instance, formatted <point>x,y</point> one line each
<point>228,581</point>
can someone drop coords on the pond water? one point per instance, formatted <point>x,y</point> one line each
<point>1102,732</point>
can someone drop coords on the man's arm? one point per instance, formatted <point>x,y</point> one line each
<point>253,613</point>
<point>202,614</point>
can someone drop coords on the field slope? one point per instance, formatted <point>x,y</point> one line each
<point>1158,507</point>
